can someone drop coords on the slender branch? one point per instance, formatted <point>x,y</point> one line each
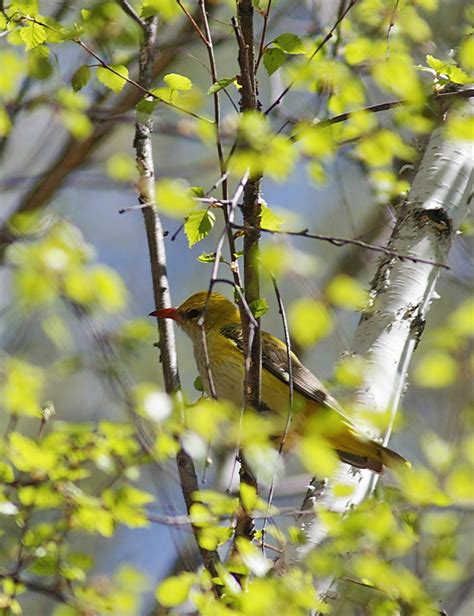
<point>251,211</point>
<point>157,252</point>
<point>130,11</point>
<point>437,96</point>
<point>51,592</point>
<point>266,15</point>
<point>195,25</point>
<point>343,241</point>
<point>328,36</point>
<point>75,153</point>
<point>289,417</point>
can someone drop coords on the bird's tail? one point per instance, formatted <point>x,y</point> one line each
<point>368,454</point>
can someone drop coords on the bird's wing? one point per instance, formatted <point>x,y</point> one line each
<point>275,360</point>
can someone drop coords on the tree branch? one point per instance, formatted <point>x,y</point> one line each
<point>75,153</point>
<point>251,211</point>
<point>343,241</point>
<point>161,291</point>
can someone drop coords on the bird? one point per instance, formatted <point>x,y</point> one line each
<point>226,362</point>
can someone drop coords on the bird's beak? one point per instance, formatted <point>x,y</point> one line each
<point>166,313</point>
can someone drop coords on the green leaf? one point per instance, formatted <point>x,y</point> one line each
<point>289,43</point>
<point>121,167</point>
<point>197,191</point>
<point>259,307</point>
<point>175,590</point>
<point>173,198</point>
<point>33,35</point>
<point>28,456</point>
<point>269,219</point>
<point>436,370</point>
<point>346,292</point>
<point>167,9</point>
<point>21,388</point>
<point>208,257</point>
<point>198,384</point>
<point>310,321</point>
<point>221,84</point>
<point>198,225</point>
<point>178,82</point>
<point>77,123</point>
<point>80,77</point>
<point>466,54</point>
<point>147,105</point>
<point>110,79</point>
<point>273,58</point>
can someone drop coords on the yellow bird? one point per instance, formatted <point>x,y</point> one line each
<point>223,331</point>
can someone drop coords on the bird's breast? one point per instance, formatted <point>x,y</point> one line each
<point>226,367</point>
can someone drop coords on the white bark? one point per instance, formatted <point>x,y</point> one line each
<point>401,293</point>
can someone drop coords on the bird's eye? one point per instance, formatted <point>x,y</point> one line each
<point>192,314</point>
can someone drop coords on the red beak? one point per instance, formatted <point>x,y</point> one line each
<point>166,313</point>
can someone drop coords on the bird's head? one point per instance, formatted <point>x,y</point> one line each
<point>219,312</point>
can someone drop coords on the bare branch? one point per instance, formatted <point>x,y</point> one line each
<point>342,241</point>
<point>328,36</point>
<point>157,252</point>
<point>130,11</point>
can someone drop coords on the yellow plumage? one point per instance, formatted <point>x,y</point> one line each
<point>223,331</point>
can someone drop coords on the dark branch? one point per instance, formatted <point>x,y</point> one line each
<point>343,241</point>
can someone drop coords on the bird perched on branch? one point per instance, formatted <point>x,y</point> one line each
<point>223,330</point>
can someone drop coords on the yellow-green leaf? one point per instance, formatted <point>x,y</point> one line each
<point>198,225</point>
<point>109,78</point>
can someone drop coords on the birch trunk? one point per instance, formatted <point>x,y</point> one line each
<point>400,296</point>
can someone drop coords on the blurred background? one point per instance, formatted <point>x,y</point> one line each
<point>87,201</point>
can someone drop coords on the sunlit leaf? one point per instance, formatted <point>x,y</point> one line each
<point>310,321</point>
<point>198,225</point>
<point>108,76</point>
<point>178,82</point>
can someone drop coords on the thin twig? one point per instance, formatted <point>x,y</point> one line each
<point>289,417</point>
<point>157,252</point>
<point>328,36</point>
<point>343,241</point>
<point>132,82</point>
<point>130,11</point>
<point>264,32</point>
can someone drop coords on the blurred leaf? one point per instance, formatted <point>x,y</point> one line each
<point>253,557</point>
<point>460,128</point>
<point>269,219</point>
<point>77,123</point>
<point>80,77</point>
<point>121,167</point>
<point>175,590</point>
<point>167,9</point>
<point>21,387</point>
<point>173,198</point>
<point>310,321</point>
<point>438,452</point>
<point>349,371</point>
<point>346,292</point>
<point>436,370</point>
<point>466,54</point>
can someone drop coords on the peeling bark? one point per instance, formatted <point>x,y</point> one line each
<point>400,296</point>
